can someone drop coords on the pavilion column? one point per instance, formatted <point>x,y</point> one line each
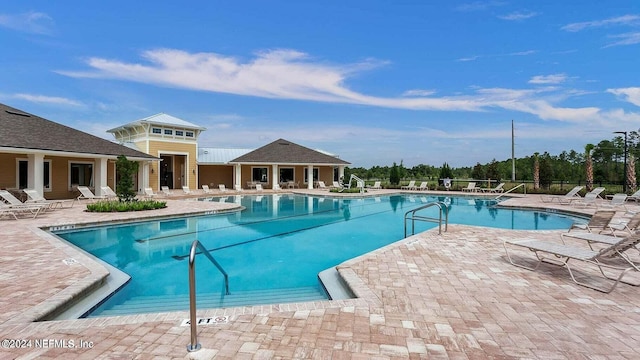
<point>237,174</point>
<point>340,172</point>
<point>99,175</point>
<point>275,176</point>
<point>35,179</point>
<point>310,177</point>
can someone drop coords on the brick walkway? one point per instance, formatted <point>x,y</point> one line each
<point>453,296</point>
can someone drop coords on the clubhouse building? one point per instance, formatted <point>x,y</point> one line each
<point>53,159</point>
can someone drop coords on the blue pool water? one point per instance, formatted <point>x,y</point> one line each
<point>277,242</point>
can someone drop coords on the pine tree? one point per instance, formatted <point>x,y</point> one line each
<point>536,171</point>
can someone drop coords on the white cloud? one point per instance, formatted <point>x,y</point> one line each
<point>479,5</point>
<point>631,94</point>
<point>625,39</point>
<point>548,79</point>
<point>517,16</point>
<point>293,75</point>
<point>30,22</point>
<point>418,92</point>
<point>42,99</point>
<point>632,20</point>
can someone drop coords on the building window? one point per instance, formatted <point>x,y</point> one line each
<point>168,132</point>
<point>23,174</point>
<point>259,174</point>
<point>156,130</point>
<point>189,134</point>
<point>286,174</point>
<point>80,174</point>
<point>179,133</point>
<point>316,174</point>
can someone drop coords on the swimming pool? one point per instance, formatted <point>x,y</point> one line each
<point>273,250</point>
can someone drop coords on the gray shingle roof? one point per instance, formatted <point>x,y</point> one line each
<point>285,152</point>
<point>21,130</point>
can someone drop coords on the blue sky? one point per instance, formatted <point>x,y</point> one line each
<point>372,81</point>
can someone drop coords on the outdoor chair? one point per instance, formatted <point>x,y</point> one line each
<point>590,198</point>
<point>376,186</point>
<point>423,186</point>
<point>87,194</point>
<point>165,190</point>
<point>34,197</point>
<point>471,187</point>
<point>410,186</point>
<point>628,225</point>
<point>148,193</point>
<point>566,198</point>
<point>14,206</point>
<point>186,190</point>
<point>497,189</point>
<point>206,189</point>
<point>276,187</point>
<point>634,197</point>
<point>258,187</point>
<point>107,192</point>
<point>599,221</point>
<point>607,258</point>
<point>222,188</point>
<point>618,200</point>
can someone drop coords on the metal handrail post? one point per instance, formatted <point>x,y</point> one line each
<point>193,346</point>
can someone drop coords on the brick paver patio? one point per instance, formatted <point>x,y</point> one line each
<point>450,296</point>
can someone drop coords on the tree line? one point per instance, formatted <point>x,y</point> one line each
<point>607,160</point>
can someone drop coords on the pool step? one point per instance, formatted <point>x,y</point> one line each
<point>162,303</point>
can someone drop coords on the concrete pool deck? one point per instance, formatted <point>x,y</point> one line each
<point>450,296</point>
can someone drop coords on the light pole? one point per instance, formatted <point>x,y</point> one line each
<point>625,158</point>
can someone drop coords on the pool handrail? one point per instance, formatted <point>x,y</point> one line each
<point>524,188</point>
<point>194,346</point>
<point>413,217</point>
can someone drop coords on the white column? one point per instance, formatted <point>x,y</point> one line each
<point>35,178</point>
<point>99,175</point>
<point>310,177</point>
<point>275,176</point>
<point>237,172</point>
<point>143,176</point>
<point>340,171</point>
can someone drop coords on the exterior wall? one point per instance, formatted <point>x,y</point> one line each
<point>8,170</point>
<point>216,175</point>
<point>325,174</point>
<point>190,150</point>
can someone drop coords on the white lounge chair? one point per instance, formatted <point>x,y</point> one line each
<point>321,185</point>
<point>410,186</point>
<point>258,187</point>
<point>237,187</point>
<point>566,198</point>
<point>87,194</point>
<point>497,189</point>
<point>599,221</point>
<point>336,185</point>
<point>376,186</point>
<point>186,190</point>
<point>634,197</point>
<point>471,187</point>
<point>604,259</point>
<point>206,189</point>
<point>35,197</point>
<point>166,191</point>
<point>107,192</point>
<point>148,193</point>
<point>423,186</point>
<point>618,200</point>
<point>222,188</point>
<point>591,197</point>
<point>276,187</point>
<point>628,225</point>
<point>18,207</point>
<point>15,210</point>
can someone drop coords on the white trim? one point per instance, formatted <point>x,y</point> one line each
<point>44,188</point>
<point>53,153</point>
<point>93,170</point>
<point>260,167</point>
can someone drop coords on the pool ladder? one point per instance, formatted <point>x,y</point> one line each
<point>194,346</point>
<point>441,206</point>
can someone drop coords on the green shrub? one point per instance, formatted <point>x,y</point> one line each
<point>347,191</point>
<point>124,206</point>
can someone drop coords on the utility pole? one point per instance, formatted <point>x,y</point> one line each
<point>513,154</point>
